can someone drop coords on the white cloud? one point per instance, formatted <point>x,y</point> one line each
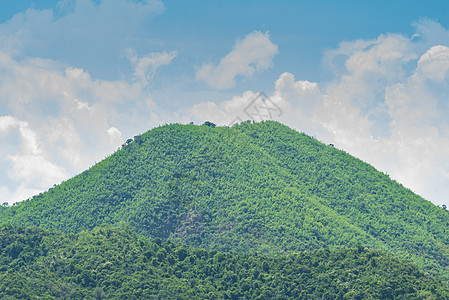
<point>64,121</point>
<point>145,67</point>
<point>29,139</point>
<point>21,193</point>
<point>7,123</point>
<point>225,112</point>
<point>434,64</point>
<point>28,165</point>
<point>387,104</point>
<point>87,33</point>
<point>36,169</point>
<point>115,136</point>
<point>253,54</point>
<point>84,22</point>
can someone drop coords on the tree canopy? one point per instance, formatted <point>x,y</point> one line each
<point>251,187</point>
<point>111,263</point>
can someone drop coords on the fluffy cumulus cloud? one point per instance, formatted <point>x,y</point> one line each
<point>84,32</point>
<point>254,53</point>
<point>145,67</point>
<point>387,104</point>
<point>56,119</point>
<point>29,165</point>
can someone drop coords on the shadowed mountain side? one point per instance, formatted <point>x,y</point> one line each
<point>110,263</point>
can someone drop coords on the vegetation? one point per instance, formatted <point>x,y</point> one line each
<point>110,263</point>
<point>253,187</point>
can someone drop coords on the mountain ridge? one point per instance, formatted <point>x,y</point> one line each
<point>250,187</point>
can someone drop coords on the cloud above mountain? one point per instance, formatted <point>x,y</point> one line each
<point>252,54</point>
<point>386,104</point>
<point>64,119</point>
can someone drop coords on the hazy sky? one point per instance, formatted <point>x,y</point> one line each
<point>79,77</point>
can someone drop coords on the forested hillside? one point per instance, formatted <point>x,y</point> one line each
<point>110,263</point>
<point>252,187</point>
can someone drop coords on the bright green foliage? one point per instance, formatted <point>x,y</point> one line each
<point>253,187</point>
<point>108,263</point>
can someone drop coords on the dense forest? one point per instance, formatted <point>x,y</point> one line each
<point>251,187</point>
<point>111,263</point>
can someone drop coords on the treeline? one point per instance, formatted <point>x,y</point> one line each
<point>111,263</point>
<point>252,187</point>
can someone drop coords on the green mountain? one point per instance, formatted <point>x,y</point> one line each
<point>252,187</point>
<point>110,263</point>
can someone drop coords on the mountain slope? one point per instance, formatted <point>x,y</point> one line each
<point>108,263</point>
<point>261,187</point>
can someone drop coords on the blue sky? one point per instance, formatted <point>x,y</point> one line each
<point>78,77</point>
